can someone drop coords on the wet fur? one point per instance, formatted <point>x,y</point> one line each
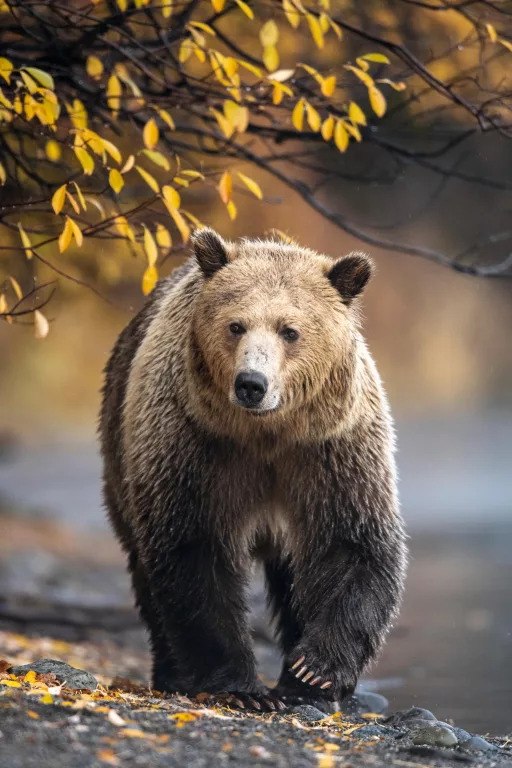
<point>196,487</point>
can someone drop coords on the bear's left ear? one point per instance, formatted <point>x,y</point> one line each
<point>350,274</point>
<point>210,250</point>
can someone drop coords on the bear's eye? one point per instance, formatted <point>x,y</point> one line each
<point>290,334</point>
<point>236,328</point>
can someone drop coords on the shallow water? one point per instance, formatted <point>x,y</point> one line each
<point>451,650</point>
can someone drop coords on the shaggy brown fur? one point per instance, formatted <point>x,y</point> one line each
<point>301,475</point>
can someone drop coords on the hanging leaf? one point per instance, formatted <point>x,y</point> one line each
<point>80,196</point>
<point>94,67</point>
<point>298,115</point>
<point>166,117</point>
<point>128,165</point>
<point>402,86</point>
<point>269,33</point>
<point>58,199</point>
<point>41,326</point>
<point>111,149</point>
<point>341,137</point>
<point>3,175</point>
<point>73,202</point>
<point>328,86</point>
<point>26,242</point>
<point>493,35</point>
<point>163,237</point>
<point>124,229</point>
<point>232,210</point>
<point>166,7</point>
<point>150,247</point>
<point>114,92</point>
<point>171,196</point>
<point>316,30</point>
<point>313,117</point>
<point>41,77</point>
<point>251,185</point>
<point>149,280</point>
<point>150,134</point>
<point>3,305</point>
<point>327,129</point>
<point>245,8</point>
<point>149,179</point>
<point>53,151</point>
<point>85,159</point>
<point>356,114</point>
<point>225,187</point>
<point>354,131</point>
<point>237,115</point>
<point>115,180</point>
<point>30,83</point>
<point>77,232</point>
<point>16,288</point>
<point>65,236</point>
<point>377,100</point>
<point>271,57</point>
<point>224,124</point>
<point>6,68</point>
<point>291,13</point>
<point>180,222</point>
<point>218,5</point>
<point>377,57</point>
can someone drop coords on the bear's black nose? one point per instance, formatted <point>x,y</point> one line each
<point>250,388</point>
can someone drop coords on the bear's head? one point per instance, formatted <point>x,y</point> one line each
<point>274,324</point>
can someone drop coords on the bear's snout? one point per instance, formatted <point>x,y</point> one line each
<point>250,388</point>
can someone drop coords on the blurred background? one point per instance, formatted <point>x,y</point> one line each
<point>442,342</point>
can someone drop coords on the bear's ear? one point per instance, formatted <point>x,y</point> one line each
<point>350,274</point>
<point>210,250</point>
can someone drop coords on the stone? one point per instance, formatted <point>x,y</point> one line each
<point>71,676</point>
<point>406,717</point>
<point>477,744</point>
<point>462,735</point>
<point>434,735</point>
<point>363,703</point>
<point>369,731</point>
<point>307,713</point>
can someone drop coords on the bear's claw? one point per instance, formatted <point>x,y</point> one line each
<point>305,676</point>
<point>257,701</point>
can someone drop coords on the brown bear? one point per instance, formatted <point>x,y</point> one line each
<point>243,418</point>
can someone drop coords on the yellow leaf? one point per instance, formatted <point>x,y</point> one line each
<point>269,33</point>
<point>6,68</point>
<point>94,67</point>
<point>163,236</point>
<point>166,117</point>
<point>232,211</point>
<point>180,222</point>
<point>336,28</point>
<point>16,288</point>
<point>4,101</point>
<point>492,32</point>
<point>46,699</point>
<point>114,93</point>
<point>282,74</point>
<point>324,23</point>
<point>73,202</point>
<point>270,57</point>
<point>298,115</point>
<point>354,131</point>
<point>80,196</point>
<point>149,179</point>
<point>237,115</point>
<point>85,159</point>
<point>58,199</point>
<point>166,6</point>
<point>195,221</point>
<point>41,77</point>
<point>10,683</point>
<point>185,52</point>
<point>150,134</point>
<point>149,280</point>
<point>328,128</point>
<point>171,196</point>
<point>112,150</point>
<point>3,304</point>
<point>218,5</point>
<point>30,83</point>
<point>124,228</point>
<point>362,64</point>
<point>291,13</point>
<point>193,174</point>
<point>53,151</point>
<point>245,8</point>
<point>313,117</point>
<point>251,185</point>
<point>66,235</point>
<point>341,137</point>
<point>115,180</point>
<point>3,175</point>
<point>32,714</point>
<point>26,242</point>
<point>77,232</point>
<point>377,57</point>
<point>506,43</point>
<point>41,329</point>
<point>224,124</point>
<point>150,247</point>
<point>328,86</point>
<point>377,100</point>
<point>225,187</point>
<point>402,86</point>
<point>129,164</point>
<point>250,68</point>
<point>363,76</point>
<point>316,30</point>
<point>326,761</point>
<point>158,159</point>
<point>356,114</point>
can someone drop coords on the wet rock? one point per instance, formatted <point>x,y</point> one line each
<point>74,678</point>
<point>461,735</point>
<point>362,703</point>
<point>477,744</point>
<point>434,735</point>
<point>410,717</point>
<point>307,713</point>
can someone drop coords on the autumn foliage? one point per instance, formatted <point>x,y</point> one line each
<point>115,115</point>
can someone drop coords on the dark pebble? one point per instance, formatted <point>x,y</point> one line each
<point>74,678</point>
<point>368,731</point>
<point>462,735</point>
<point>363,703</point>
<point>307,713</point>
<point>477,744</point>
<point>409,717</point>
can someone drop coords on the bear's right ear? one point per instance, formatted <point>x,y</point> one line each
<point>210,250</point>
<point>350,274</point>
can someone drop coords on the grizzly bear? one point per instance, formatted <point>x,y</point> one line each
<point>243,419</point>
